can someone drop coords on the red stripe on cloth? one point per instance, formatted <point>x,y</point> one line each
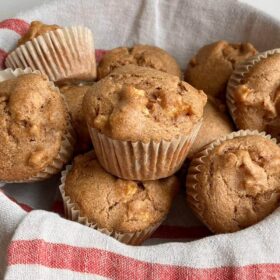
<point>3,56</point>
<point>23,206</point>
<point>58,208</point>
<point>99,55</point>
<point>175,232</point>
<point>112,265</point>
<point>17,25</point>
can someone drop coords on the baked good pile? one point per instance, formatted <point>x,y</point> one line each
<point>127,126</point>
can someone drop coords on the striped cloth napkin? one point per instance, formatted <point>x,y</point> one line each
<point>42,245</point>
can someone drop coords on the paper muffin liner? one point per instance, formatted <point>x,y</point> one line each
<point>62,54</point>
<point>238,75</point>
<point>142,161</point>
<point>72,213</point>
<point>68,140</point>
<point>192,181</point>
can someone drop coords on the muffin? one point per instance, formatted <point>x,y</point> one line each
<point>215,124</point>
<point>61,53</point>
<point>74,95</point>
<point>235,181</point>
<point>210,69</point>
<point>127,210</point>
<point>141,55</point>
<point>36,133</point>
<point>36,29</point>
<point>253,94</point>
<point>142,121</point>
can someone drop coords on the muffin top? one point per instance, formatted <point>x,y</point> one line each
<point>136,103</point>
<point>74,95</point>
<point>116,204</point>
<point>141,55</point>
<point>257,98</point>
<point>210,69</point>
<point>215,124</point>
<point>33,119</point>
<point>238,183</point>
<point>36,29</point>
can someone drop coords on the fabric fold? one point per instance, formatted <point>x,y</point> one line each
<point>10,216</point>
<point>45,240</point>
<point>42,245</point>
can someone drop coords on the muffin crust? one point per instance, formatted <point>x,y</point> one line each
<point>116,204</point>
<point>36,29</point>
<point>141,55</point>
<point>257,98</point>
<point>215,124</point>
<point>33,120</point>
<point>210,69</point>
<point>74,96</point>
<point>238,184</point>
<point>141,104</point>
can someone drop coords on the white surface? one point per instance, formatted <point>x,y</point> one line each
<point>10,8</point>
<point>180,26</point>
<point>272,7</point>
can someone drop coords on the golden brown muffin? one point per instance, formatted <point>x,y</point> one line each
<point>141,55</point>
<point>33,121</point>
<point>36,29</point>
<point>215,124</point>
<point>116,204</point>
<point>255,102</point>
<point>142,122</point>
<point>210,69</point>
<point>136,103</point>
<point>238,183</point>
<point>74,96</point>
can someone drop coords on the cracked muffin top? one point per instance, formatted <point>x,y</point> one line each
<point>33,120</point>
<point>238,184</point>
<point>141,55</point>
<point>36,29</point>
<point>74,95</point>
<point>136,103</point>
<point>116,204</point>
<point>257,97</point>
<point>210,69</point>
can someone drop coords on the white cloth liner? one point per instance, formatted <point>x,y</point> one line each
<point>180,27</point>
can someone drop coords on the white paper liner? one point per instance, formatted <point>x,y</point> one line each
<point>68,140</point>
<point>199,160</point>
<point>238,75</point>
<point>142,161</point>
<point>62,54</point>
<point>72,213</point>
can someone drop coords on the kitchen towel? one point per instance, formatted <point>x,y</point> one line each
<point>42,245</point>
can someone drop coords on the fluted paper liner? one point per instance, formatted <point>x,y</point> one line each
<point>66,53</point>
<point>72,213</point>
<point>200,159</point>
<point>142,161</point>
<point>68,140</point>
<point>238,75</point>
